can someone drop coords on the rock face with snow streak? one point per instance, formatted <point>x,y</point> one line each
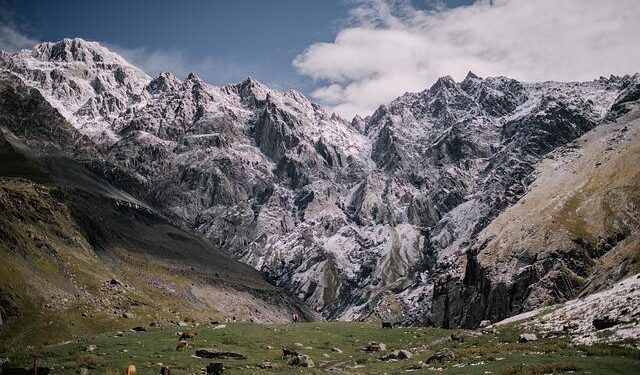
<point>609,316</point>
<point>362,219</point>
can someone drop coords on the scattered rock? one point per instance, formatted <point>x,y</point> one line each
<point>83,371</point>
<point>527,337</point>
<point>445,354</point>
<point>289,352</point>
<point>128,315</point>
<point>182,324</point>
<point>298,344</point>
<point>220,326</point>
<point>115,282</point>
<point>373,346</point>
<point>604,323</point>
<point>397,355</point>
<point>267,365</point>
<point>215,368</point>
<point>120,334</point>
<point>485,323</point>
<point>215,354</point>
<point>268,347</point>
<point>302,360</point>
<point>337,350</point>
<point>154,324</point>
<point>90,348</point>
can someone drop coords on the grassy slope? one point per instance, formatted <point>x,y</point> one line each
<point>47,261</point>
<point>498,353</point>
<point>578,200</point>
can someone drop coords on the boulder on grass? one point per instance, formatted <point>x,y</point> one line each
<point>445,354</point>
<point>302,360</point>
<point>527,337</point>
<point>397,355</point>
<point>215,354</point>
<point>373,346</point>
<point>215,368</point>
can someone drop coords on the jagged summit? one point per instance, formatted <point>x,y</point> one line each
<point>470,75</point>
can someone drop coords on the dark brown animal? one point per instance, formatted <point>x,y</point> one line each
<point>289,352</point>
<point>165,370</point>
<point>215,368</point>
<point>387,325</point>
<point>188,336</point>
<point>458,338</point>
<point>182,346</point>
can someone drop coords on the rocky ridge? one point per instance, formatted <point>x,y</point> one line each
<point>374,218</point>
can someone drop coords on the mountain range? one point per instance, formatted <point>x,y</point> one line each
<point>468,201</point>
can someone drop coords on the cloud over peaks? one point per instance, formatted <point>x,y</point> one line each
<point>389,47</point>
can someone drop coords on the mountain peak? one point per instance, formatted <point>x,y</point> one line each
<point>471,75</point>
<point>443,82</point>
<point>252,88</point>
<point>75,50</point>
<point>164,82</point>
<point>193,77</point>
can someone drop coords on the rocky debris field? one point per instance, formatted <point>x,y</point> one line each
<point>607,317</point>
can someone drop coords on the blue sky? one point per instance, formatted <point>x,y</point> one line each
<point>349,55</point>
<point>222,41</point>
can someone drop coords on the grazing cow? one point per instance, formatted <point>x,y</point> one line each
<point>289,352</point>
<point>387,325</point>
<point>131,370</point>
<point>188,336</point>
<point>165,370</point>
<point>295,317</point>
<point>182,346</point>
<point>215,368</point>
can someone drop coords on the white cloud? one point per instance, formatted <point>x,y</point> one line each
<point>389,47</point>
<point>12,40</point>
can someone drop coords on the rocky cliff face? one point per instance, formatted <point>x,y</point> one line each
<point>382,217</point>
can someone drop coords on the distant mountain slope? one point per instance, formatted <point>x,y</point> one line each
<point>370,219</point>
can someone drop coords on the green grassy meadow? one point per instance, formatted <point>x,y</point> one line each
<point>490,353</point>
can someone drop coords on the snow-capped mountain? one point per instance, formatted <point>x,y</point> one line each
<point>375,218</point>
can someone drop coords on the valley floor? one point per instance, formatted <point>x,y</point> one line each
<point>334,347</point>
